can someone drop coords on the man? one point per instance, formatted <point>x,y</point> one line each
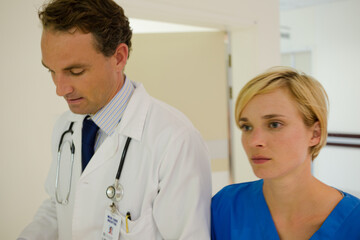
<point>163,189</point>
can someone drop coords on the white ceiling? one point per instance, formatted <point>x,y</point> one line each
<point>204,13</point>
<point>149,26</point>
<point>293,4</point>
<point>223,15</point>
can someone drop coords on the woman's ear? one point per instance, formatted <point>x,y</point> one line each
<point>316,134</point>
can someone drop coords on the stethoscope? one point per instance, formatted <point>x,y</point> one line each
<point>114,192</point>
<point>72,150</point>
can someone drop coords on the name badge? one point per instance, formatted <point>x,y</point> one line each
<point>112,224</point>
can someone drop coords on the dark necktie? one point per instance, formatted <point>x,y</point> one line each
<point>89,131</point>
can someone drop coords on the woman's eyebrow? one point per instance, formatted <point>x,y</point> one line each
<point>270,116</point>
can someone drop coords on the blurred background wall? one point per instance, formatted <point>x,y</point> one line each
<point>215,46</point>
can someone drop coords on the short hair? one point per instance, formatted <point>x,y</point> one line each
<point>309,95</point>
<point>103,18</point>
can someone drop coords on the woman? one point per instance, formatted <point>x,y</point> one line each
<point>283,118</point>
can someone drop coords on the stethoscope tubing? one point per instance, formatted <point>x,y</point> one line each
<point>70,130</point>
<point>57,180</point>
<point>72,150</point>
<point>123,155</point>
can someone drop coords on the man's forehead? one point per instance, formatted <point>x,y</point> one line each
<point>74,38</point>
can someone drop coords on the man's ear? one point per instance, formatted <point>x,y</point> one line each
<point>120,56</point>
<point>316,134</point>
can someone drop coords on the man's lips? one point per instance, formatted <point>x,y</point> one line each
<point>73,100</point>
<point>260,159</point>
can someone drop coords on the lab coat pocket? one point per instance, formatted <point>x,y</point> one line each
<point>142,228</point>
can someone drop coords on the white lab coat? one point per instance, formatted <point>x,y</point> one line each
<point>166,178</point>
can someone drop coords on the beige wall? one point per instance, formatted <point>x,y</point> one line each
<point>188,71</point>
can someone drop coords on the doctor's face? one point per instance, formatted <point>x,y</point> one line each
<point>274,135</point>
<point>82,75</point>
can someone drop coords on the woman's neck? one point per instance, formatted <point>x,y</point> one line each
<point>288,194</point>
<point>297,195</point>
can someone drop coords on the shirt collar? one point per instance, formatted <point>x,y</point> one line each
<point>110,115</point>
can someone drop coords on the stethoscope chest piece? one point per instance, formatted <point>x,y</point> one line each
<point>115,192</point>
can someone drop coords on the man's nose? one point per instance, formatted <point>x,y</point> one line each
<point>63,85</point>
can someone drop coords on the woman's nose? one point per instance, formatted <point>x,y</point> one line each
<point>257,138</point>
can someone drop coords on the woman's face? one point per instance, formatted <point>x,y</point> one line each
<point>275,137</point>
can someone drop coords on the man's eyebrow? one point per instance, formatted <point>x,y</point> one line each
<point>69,67</point>
<point>76,66</point>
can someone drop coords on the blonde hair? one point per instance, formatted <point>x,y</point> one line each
<point>308,93</point>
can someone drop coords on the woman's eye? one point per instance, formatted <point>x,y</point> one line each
<point>245,128</point>
<point>275,125</point>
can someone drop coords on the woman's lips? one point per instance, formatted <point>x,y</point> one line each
<point>260,159</point>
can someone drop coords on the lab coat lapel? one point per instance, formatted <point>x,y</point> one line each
<point>131,125</point>
<point>133,122</point>
<point>107,149</point>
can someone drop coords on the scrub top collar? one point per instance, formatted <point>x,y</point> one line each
<point>327,230</point>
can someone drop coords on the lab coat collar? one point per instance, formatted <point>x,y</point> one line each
<point>133,121</point>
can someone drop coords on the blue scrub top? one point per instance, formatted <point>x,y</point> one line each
<point>239,211</point>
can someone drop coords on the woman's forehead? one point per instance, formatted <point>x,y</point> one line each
<point>276,102</point>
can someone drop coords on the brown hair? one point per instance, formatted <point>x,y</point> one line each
<point>103,18</point>
<point>308,93</point>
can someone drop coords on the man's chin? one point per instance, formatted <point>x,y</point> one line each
<point>78,110</point>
